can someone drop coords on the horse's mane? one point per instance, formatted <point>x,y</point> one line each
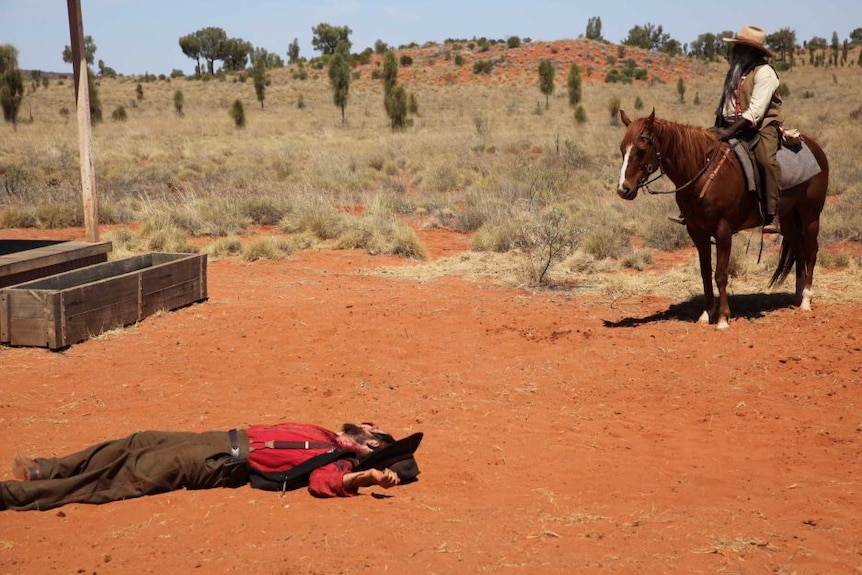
<point>684,147</point>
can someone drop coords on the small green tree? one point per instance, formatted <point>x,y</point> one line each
<point>119,114</point>
<point>293,52</point>
<point>614,109</point>
<point>396,107</point>
<point>680,90</point>
<point>390,71</point>
<point>237,112</point>
<point>89,51</point>
<point>594,29</point>
<point>179,103</point>
<point>11,84</point>
<point>574,84</point>
<point>546,80</point>
<point>326,38</point>
<point>260,80</point>
<point>339,77</point>
<point>580,114</point>
<point>95,100</point>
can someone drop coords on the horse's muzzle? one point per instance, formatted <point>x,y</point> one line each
<point>627,193</point>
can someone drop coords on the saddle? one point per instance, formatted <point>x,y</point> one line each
<point>795,159</point>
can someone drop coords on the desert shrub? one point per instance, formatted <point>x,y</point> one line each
<point>165,238</point>
<point>580,114</point>
<point>266,248</point>
<point>834,260</point>
<point>224,247</point>
<point>638,259</point>
<point>607,240</point>
<point>381,233</point>
<point>483,67</point>
<point>119,114</point>
<point>499,236</point>
<point>546,240</point>
<point>179,103</point>
<point>17,217</point>
<point>15,180</point>
<point>614,110</point>
<point>661,234</point>
<point>263,210</point>
<point>237,113</point>
<point>842,220</point>
<point>58,214</point>
<point>316,215</point>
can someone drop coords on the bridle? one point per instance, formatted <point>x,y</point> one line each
<point>645,180</point>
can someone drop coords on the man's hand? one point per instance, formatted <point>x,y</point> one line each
<point>724,134</point>
<point>385,478</point>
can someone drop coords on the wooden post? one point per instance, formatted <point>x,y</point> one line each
<point>85,131</point>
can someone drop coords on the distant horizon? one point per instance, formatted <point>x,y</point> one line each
<point>137,38</point>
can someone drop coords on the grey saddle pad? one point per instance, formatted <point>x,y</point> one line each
<point>797,163</point>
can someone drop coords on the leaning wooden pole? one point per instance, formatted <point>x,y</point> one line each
<point>85,130</point>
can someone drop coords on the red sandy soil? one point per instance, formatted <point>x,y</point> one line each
<point>562,434</point>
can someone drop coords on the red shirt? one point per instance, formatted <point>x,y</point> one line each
<point>325,481</point>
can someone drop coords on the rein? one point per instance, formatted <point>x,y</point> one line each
<point>646,181</point>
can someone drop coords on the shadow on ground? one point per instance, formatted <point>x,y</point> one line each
<point>747,306</point>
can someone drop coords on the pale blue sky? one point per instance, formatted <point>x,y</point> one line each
<point>137,36</point>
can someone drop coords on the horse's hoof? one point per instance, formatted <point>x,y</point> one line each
<point>703,319</point>
<point>805,304</point>
<point>722,325</point>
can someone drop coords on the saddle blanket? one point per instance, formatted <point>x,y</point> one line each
<point>797,163</point>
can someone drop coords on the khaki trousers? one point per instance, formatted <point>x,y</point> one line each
<point>765,154</point>
<point>143,463</point>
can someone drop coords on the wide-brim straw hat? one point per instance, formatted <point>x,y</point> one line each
<point>751,36</point>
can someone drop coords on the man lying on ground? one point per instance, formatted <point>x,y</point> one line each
<point>278,457</point>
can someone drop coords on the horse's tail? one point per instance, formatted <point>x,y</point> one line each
<point>785,264</point>
<point>788,256</point>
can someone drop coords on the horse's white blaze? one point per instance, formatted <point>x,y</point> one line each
<point>625,167</point>
<point>807,294</point>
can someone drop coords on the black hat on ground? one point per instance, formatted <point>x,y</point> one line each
<point>397,456</point>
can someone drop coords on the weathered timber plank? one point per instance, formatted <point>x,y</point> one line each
<point>26,265</point>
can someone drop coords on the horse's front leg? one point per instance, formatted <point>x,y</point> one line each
<point>704,254</point>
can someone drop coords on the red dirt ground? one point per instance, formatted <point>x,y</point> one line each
<point>562,434</point>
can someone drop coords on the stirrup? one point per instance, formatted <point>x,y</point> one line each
<point>680,219</point>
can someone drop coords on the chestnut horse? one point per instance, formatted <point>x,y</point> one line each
<point>712,195</point>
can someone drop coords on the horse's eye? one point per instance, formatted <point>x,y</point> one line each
<point>640,153</point>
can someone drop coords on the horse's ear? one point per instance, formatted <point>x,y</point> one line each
<point>651,120</point>
<point>625,118</point>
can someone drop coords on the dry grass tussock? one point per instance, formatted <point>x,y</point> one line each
<point>535,186</point>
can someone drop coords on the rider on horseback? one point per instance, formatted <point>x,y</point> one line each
<point>751,111</point>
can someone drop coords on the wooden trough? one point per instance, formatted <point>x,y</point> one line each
<point>26,260</point>
<point>63,309</point>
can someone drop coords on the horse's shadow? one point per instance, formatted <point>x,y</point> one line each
<point>746,306</point>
